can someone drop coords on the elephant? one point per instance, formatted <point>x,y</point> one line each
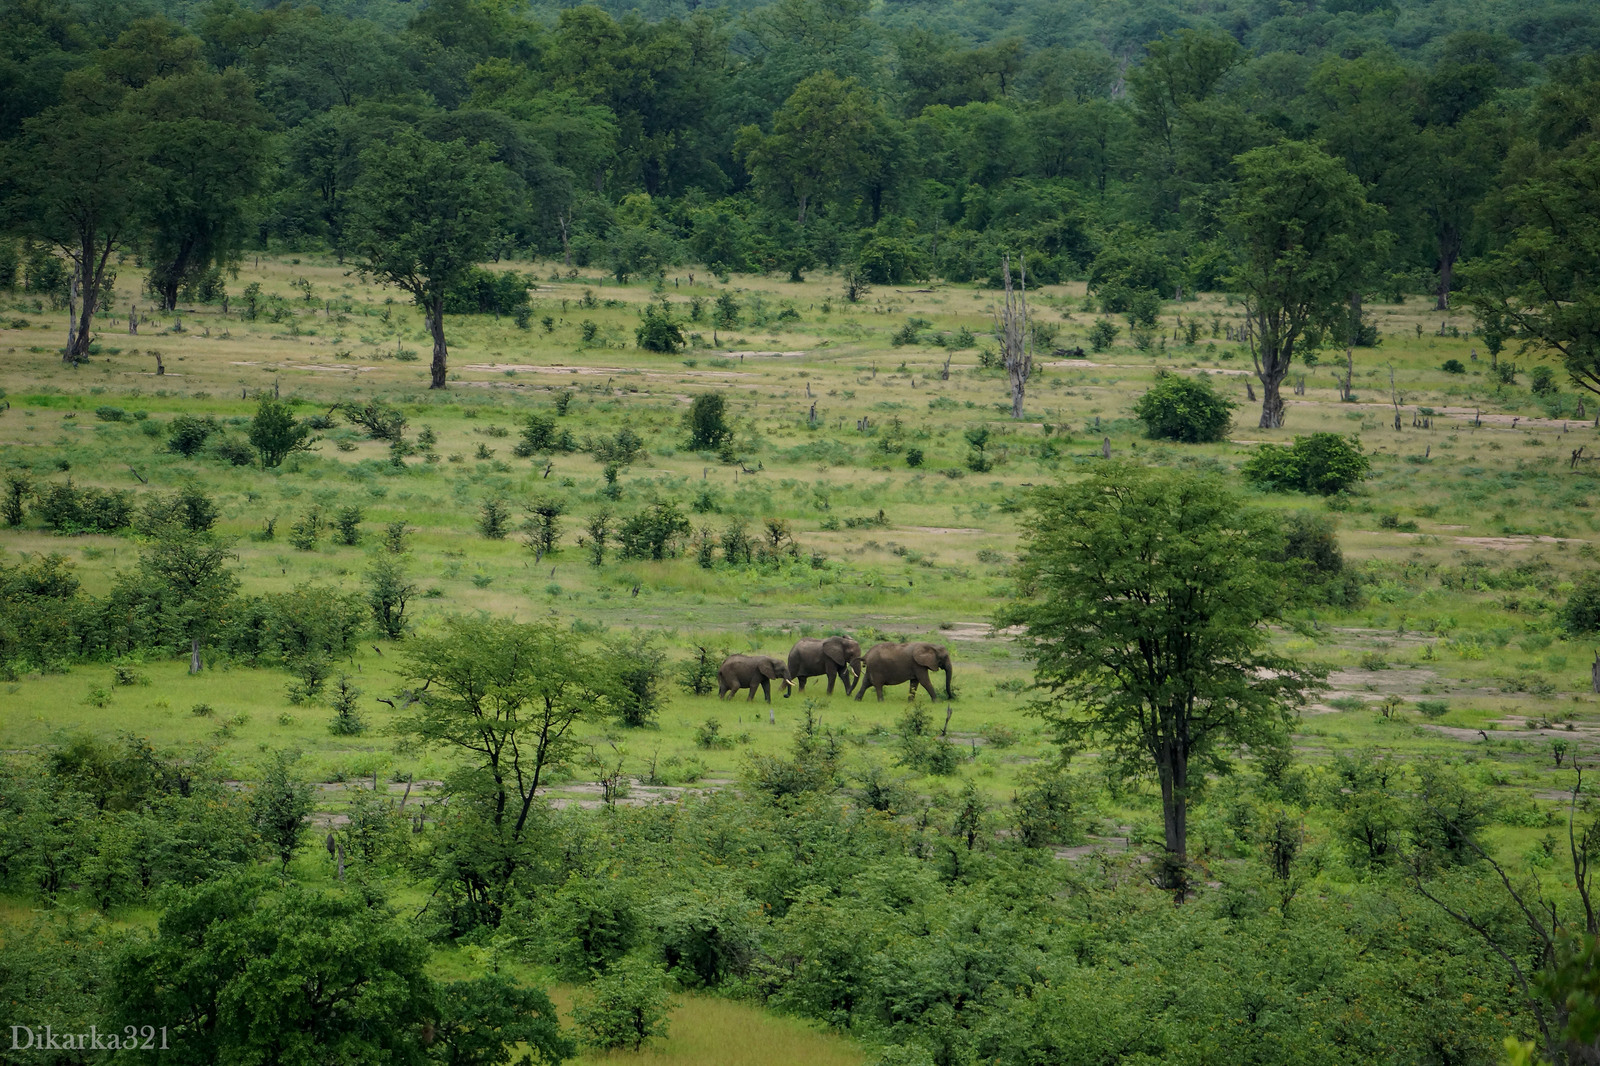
<point>749,671</point>
<point>894,664</point>
<point>834,657</point>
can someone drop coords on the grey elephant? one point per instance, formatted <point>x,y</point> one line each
<point>895,664</point>
<point>833,657</point>
<point>750,671</point>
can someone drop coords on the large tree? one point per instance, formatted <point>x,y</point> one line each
<point>1303,237</point>
<point>826,134</point>
<point>422,215</point>
<point>206,152</point>
<point>79,176</point>
<point>1146,597</point>
<point>1541,284</point>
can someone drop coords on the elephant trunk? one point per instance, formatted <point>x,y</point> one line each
<point>949,673</point>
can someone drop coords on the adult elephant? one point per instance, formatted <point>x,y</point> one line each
<point>834,657</point>
<point>895,664</point>
<point>750,671</point>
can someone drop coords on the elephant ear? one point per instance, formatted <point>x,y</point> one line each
<point>769,670</point>
<point>926,656</point>
<point>834,649</point>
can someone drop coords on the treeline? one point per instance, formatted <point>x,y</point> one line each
<point>793,135</point>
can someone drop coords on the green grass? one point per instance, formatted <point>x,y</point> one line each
<point>935,568</point>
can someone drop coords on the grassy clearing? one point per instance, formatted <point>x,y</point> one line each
<point>1469,531</point>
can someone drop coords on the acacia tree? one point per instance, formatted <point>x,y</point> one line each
<point>1303,237</point>
<point>509,698</point>
<point>1542,282</point>
<point>422,215</point>
<point>1147,595</point>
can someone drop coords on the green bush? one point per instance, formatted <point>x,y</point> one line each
<point>626,1007</point>
<point>1184,409</point>
<point>1453,366</point>
<point>707,422</point>
<point>658,332</point>
<point>1581,612</point>
<point>1322,463</point>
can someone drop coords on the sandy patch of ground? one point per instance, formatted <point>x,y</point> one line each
<point>338,367</point>
<point>1516,543</point>
<point>1468,413</point>
<point>941,529</point>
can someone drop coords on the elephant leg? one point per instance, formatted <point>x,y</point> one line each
<point>832,673</point>
<point>752,697</point>
<point>861,690</point>
<point>879,687</point>
<point>803,681</point>
<point>925,681</point>
<point>766,690</point>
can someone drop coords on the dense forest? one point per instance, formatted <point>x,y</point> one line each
<point>904,141</point>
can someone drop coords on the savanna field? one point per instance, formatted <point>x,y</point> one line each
<point>1464,542</point>
<point>449,449</point>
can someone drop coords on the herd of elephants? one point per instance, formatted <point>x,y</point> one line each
<point>833,658</point>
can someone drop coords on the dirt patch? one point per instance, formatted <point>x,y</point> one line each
<point>341,368</point>
<point>1517,421</point>
<point>977,631</point>
<point>941,529</point>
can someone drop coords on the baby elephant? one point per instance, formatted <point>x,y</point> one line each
<point>748,671</point>
<point>895,664</point>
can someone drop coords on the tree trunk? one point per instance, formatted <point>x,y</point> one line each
<point>1172,767</point>
<point>1449,248</point>
<point>441,355</point>
<point>800,219</point>
<point>1271,402</point>
<point>194,655</point>
<point>1013,328</point>
<point>68,354</point>
<point>90,264</point>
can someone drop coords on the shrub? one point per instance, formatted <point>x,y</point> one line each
<point>640,676</point>
<point>658,332</point>
<point>1453,366</point>
<point>1542,380</point>
<point>707,422</point>
<point>275,433</point>
<point>1581,612</point>
<point>348,524</point>
<point>186,434</point>
<point>1102,333</point>
<point>626,1007</point>
<point>1184,409</point>
<point>653,533</point>
<point>914,457</point>
<point>1322,463</point>
<point>494,518</point>
<point>347,720</point>
<point>234,452</point>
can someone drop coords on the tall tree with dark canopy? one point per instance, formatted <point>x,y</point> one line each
<point>1543,281</point>
<point>422,216</point>
<point>80,176</point>
<point>1303,236</point>
<point>207,151</point>
<point>1146,596</point>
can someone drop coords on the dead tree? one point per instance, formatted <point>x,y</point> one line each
<point>1011,326</point>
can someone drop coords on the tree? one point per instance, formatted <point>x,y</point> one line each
<point>81,175</point>
<point>276,434</point>
<point>707,422</point>
<point>1542,280</point>
<point>483,1020</point>
<point>190,570</point>
<point>279,806</point>
<point>1303,236</point>
<point>1184,409</point>
<point>207,151</point>
<point>388,592</point>
<point>625,1007</point>
<point>241,971</point>
<point>1147,599</point>
<point>825,135</point>
<point>508,697</point>
<point>1011,327</point>
<point>421,217</point>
